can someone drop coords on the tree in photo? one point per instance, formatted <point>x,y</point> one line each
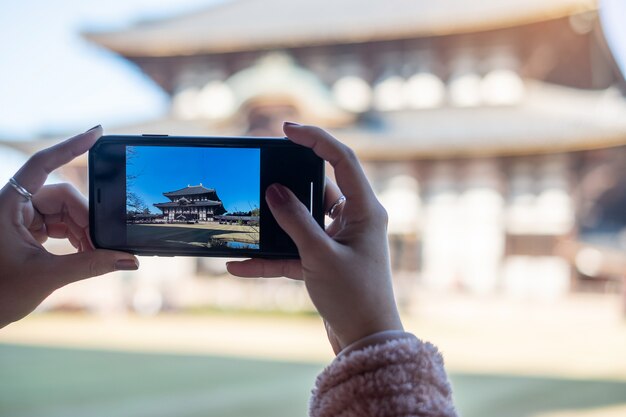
<point>134,203</point>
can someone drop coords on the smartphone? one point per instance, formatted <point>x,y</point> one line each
<point>197,196</point>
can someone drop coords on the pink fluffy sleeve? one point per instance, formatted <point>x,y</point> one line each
<point>399,377</point>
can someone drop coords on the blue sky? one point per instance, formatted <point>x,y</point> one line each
<point>54,82</point>
<point>233,173</point>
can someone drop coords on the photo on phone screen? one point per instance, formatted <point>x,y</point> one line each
<point>193,197</point>
<point>160,195</point>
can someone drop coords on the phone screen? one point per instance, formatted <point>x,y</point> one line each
<point>181,197</point>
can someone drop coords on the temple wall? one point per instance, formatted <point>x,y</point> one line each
<point>481,225</point>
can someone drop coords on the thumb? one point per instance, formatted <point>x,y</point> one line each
<point>293,217</point>
<point>81,265</point>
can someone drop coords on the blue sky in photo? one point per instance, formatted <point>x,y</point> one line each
<point>233,173</point>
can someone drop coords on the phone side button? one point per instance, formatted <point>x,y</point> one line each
<point>157,135</point>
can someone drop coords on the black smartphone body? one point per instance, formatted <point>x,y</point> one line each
<point>197,196</point>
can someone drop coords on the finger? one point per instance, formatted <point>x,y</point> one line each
<point>62,200</point>
<point>63,231</point>
<point>331,195</point>
<point>37,227</point>
<point>76,266</point>
<point>41,236</point>
<point>294,218</point>
<point>334,227</point>
<point>59,231</point>
<point>75,242</point>
<point>66,228</point>
<point>34,173</point>
<point>266,268</point>
<point>63,204</point>
<point>87,243</point>
<point>348,171</point>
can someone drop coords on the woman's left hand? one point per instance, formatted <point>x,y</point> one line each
<point>28,272</point>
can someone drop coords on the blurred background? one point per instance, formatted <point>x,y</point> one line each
<point>493,132</point>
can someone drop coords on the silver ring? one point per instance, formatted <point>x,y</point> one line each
<point>335,206</point>
<point>21,190</point>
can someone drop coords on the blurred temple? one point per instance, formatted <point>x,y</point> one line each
<point>482,124</point>
<point>493,132</point>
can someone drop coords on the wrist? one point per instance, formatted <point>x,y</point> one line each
<point>375,339</point>
<point>393,325</point>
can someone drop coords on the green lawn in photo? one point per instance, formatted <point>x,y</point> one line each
<point>59,382</point>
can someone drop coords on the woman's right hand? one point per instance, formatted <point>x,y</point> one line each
<point>346,268</point>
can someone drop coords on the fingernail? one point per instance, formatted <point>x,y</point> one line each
<point>126,265</point>
<point>93,128</point>
<point>276,195</point>
<point>291,124</point>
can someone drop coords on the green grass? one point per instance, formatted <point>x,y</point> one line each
<point>50,382</point>
<point>517,396</point>
<point>70,382</point>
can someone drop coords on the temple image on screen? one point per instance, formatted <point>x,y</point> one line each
<point>169,205</point>
<point>192,203</point>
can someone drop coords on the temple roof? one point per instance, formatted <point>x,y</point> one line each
<point>209,203</point>
<point>189,190</point>
<point>244,25</point>
<point>551,119</point>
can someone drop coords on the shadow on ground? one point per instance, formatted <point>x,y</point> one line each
<point>51,382</point>
<point>174,236</point>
